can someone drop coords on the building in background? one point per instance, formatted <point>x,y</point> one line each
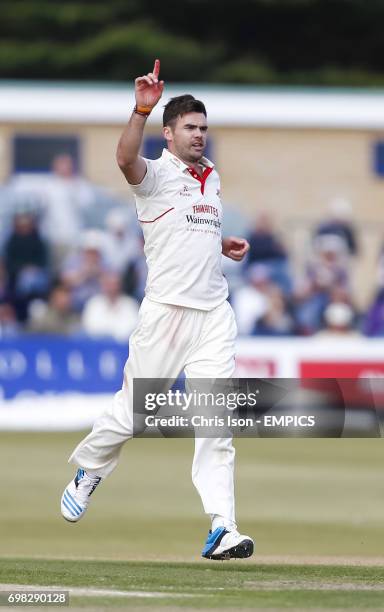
<point>291,152</point>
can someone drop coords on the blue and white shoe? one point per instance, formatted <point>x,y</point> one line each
<point>75,499</point>
<point>222,544</point>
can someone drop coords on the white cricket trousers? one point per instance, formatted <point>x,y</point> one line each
<point>167,340</point>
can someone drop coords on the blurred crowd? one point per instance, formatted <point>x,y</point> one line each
<point>72,263</point>
<point>71,259</point>
<point>316,298</point>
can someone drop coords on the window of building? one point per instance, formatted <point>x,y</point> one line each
<point>35,152</point>
<point>378,158</point>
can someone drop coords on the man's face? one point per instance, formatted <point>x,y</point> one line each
<point>187,138</point>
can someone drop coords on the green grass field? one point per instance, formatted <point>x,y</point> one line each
<point>315,508</point>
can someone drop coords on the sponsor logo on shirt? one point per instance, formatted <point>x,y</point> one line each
<point>203,221</point>
<point>185,191</point>
<point>204,209</point>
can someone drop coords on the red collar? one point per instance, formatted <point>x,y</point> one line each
<point>202,178</point>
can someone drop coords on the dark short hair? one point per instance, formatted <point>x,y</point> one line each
<point>181,105</point>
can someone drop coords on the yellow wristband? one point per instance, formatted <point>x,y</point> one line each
<point>143,110</point>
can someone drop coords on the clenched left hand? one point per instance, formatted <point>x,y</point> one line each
<point>234,248</point>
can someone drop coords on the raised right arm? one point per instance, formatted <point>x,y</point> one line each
<point>148,91</point>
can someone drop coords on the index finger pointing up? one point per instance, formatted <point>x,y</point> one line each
<point>156,68</point>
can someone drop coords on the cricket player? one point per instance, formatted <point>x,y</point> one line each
<point>185,321</point>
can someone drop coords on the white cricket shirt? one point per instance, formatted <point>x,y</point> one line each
<point>181,217</point>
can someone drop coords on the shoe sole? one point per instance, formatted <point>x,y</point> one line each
<point>68,520</point>
<point>241,551</point>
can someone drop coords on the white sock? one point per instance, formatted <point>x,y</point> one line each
<point>220,521</point>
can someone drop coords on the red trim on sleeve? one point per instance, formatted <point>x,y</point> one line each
<point>201,178</point>
<point>159,217</point>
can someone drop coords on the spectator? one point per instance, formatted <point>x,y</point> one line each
<point>26,261</point>
<point>135,276</point>
<point>12,202</point>
<point>266,248</point>
<point>54,317</point>
<point>250,302</point>
<point>338,318</point>
<point>9,326</point>
<point>308,302</point>
<point>329,264</point>
<point>342,295</point>
<point>111,313</point>
<point>277,320</point>
<point>64,200</point>
<point>4,285</point>
<point>67,196</point>
<point>326,272</point>
<point>380,268</point>
<point>82,270</point>
<point>339,224</point>
<point>123,245</point>
<point>373,324</point>
<point>124,253</point>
